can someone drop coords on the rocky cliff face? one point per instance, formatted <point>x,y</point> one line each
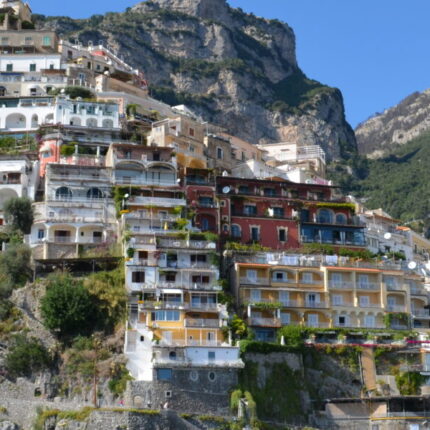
<point>395,126</point>
<point>235,69</point>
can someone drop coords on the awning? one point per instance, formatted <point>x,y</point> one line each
<point>170,291</point>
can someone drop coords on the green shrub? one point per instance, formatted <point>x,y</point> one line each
<point>67,307</point>
<point>15,268</point>
<point>409,383</point>
<point>119,378</point>
<point>293,336</point>
<point>26,356</point>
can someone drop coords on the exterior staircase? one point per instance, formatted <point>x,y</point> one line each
<point>368,369</point>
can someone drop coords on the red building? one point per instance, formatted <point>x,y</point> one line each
<point>201,197</point>
<point>281,214</point>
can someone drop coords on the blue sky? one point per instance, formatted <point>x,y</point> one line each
<point>375,51</point>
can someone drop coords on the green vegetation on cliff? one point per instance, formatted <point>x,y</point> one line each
<point>399,182</point>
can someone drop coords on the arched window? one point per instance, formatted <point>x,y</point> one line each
<point>34,121</point>
<point>94,193</point>
<point>107,123</point>
<point>91,122</point>
<point>235,231</point>
<point>325,216</point>
<point>341,219</point>
<point>63,193</point>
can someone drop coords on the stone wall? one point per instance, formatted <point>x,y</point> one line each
<point>196,391</point>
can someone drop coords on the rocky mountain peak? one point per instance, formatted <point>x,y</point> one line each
<point>205,9</point>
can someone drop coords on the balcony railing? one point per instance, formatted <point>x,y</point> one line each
<point>395,287</point>
<point>265,322</point>
<point>369,305</point>
<point>63,239</point>
<point>396,308</point>
<point>317,324</point>
<point>202,322</point>
<point>305,239</point>
<point>368,286</point>
<point>423,313</point>
<point>182,244</point>
<point>155,201</point>
<point>344,303</point>
<point>124,180</point>
<point>315,305</point>
<point>342,285</point>
<point>418,291</point>
<point>254,281</point>
<point>148,215</point>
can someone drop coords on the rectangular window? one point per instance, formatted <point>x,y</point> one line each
<point>364,301</point>
<point>251,275</point>
<point>9,67</point>
<point>46,41</point>
<point>211,355</point>
<point>284,296</point>
<point>256,295</point>
<point>282,235</point>
<point>32,67</point>
<point>191,131</point>
<point>219,153</point>
<point>164,374</point>
<point>255,234</point>
<point>138,277</point>
<point>28,40</point>
<point>243,189</point>
<point>270,192</point>
<point>336,279</point>
<point>165,316</point>
<point>363,280</point>
<point>40,234</point>
<point>369,321</point>
<point>312,320</point>
<point>278,212</point>
<point>170,277</point>
<point>285,318</point>
<point>337,300</point>
<point>278,276</point>
<point>5,41</point>
<point>307,278</point>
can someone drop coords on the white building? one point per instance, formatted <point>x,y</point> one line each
<point>19,177</point>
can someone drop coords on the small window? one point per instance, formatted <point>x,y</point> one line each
<point>235,231</point>
<point>9,67</point>
<point>255,234</point>
<point>211,355</point>
<point>32,67</point>
<point>164,374</point>
<point>40,234</point>
<point>191,131</point>
<point>46,41</point>
<point>172,355</point>
<point>211,376</point>
<point>219,153</point>
<point>282,235</point>
<point>138,277</point>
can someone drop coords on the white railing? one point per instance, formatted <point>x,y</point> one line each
<point>202,322</point>
<point>369,305</point>
<point>348,304</point>
<point>342,285</point>
<point>194,244</point>
<point>315,305</point>
<point>126,180</point>
<point>420,313</point>
<point>148,215</point>
<point>368,286</point>
<point>254,281</point>
<point>156,201</point>
<point>265,322</point>
<point>396,308</point>
<point>317,324</point>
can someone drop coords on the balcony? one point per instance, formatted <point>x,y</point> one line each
<point>418,291</point>
<point>315,305</point>
<point>126,180</point>
<point>255,215</point>
<point>290,303</point>
<point>264,322</point>
<point>317,324</point>
<point>144,215</point>
<point>155,201</point>
<point>369,305</point>
<point>254,281</point>
<point>395,287</point>
<point>396,308</point>
<point>202,323</point>
<point>185,244</point>
<point>368,286</point>
<point>420,313</point>
<point>306,239</point>
<point>342,285</point>
<point>204,306</point>
<point>342,304</point>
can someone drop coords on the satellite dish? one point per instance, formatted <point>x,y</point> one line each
<point>226,190</point>
<point>412,265</point>
<point>387,236</point>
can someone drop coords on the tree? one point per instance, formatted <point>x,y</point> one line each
<point>19,213</point>
<point>26,356</point>
<point>67,307</point>
<point>15,269</point>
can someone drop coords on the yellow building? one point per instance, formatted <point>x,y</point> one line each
<point>318,291</point>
